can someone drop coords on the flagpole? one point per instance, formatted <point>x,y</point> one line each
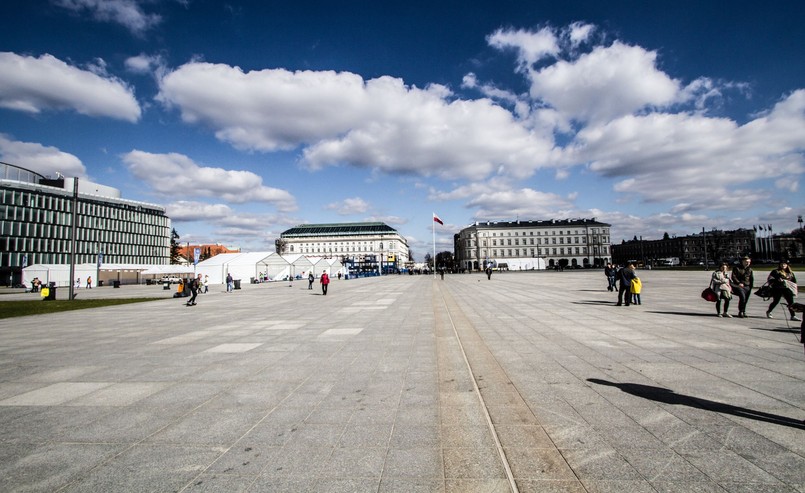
<point>433,228</point>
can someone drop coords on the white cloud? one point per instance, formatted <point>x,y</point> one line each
<point>703,163</point>
<point>380,124</point>
<point>127,13</point>
<point>350,206</point>
<point>174,173</point>
<point>34,85</point>
<point>531,47</point>
<point>146,64</point>
<point>44,160</point>
<point>579,32</point>
<point>606,83</point>
<point>185,210</point>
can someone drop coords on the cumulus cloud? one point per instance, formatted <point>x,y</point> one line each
<point>176,173</point>
<point>380,124</point>
<point>701,162</point>
<point>34,85</point>
<point>127,13</point>
<point>606,83</point>
<point>350,206</point>
<point>42,159</point>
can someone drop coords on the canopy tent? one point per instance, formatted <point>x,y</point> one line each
<point>321,264</point>
<point>241,266</point>
<point>276,267</point>
<point>58,274</point>
<point>107,274</point>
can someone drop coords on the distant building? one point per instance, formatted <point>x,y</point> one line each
<point>36,217</point>
<point>690,249</point>
<point>526,245</point>
<point>187,252</point>
<point>360,246</point>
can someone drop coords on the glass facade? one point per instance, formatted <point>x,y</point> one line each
<point>36,227</point>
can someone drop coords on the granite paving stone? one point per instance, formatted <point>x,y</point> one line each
<point>405,384</point>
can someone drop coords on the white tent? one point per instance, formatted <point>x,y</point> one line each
<point>58,273</point>
<point>276,266</point>
<point>321,264</point>
<point>215,267</point>
<point>106,274</point>
<point>241,266</point>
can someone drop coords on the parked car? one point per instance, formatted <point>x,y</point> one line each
<point>169,280</point>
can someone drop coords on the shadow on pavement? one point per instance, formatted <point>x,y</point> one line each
<point>684,314</point>
<point>666,396</point>
<point>594,302</point>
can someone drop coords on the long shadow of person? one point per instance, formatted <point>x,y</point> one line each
<point>667,396</point>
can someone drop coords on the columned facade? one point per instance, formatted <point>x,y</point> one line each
<point>527,245</point>
<point>359,246</point>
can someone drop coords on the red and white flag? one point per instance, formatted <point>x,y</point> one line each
<point>436,218</point>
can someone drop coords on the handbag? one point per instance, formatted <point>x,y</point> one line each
<point>764,291</point>
<point>709,295</point>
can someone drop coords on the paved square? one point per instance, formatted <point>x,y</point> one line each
<point>530,381</point>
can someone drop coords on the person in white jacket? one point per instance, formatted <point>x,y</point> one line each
<point>720,283</point>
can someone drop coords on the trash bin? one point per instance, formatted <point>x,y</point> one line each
<point>51,294</point>
<point>116,284</point>
<point>166,286</point>
<point>100,283</point>
<point>237,283</point>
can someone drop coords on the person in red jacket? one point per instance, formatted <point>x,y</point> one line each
<point>325,280</point>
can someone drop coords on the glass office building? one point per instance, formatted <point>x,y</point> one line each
<point>36,219</point>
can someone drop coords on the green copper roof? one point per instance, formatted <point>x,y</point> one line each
<point>337,229</point>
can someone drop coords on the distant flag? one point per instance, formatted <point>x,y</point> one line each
<point>436,218</point>
<point>761,227</point>
<point>769,227</point>
<point>755,228</point>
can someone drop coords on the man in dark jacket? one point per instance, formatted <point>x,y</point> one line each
<point>194,283</point>
<point>742,280</point>
<point>625,276</point>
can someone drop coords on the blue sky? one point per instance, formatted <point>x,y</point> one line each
<point>247,118</point>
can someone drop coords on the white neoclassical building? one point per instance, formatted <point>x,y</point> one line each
<point>527,245</point>
<point>362,247</point>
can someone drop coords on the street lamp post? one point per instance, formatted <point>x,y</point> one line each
<point>381,258</point>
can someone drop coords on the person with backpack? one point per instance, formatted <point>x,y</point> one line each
<point>310,279</point>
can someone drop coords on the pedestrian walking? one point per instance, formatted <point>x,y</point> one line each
<point>310,279</point>
<point>206,284</point>
<point>194,287</point>
<point>89,282</point>
<point>742,280</point>
<point>720,283</point>
<point>489,272</point>
<point>325,281</point>
<point>625,276</point>
<point>609,271</point>
<point>230,283</point>
<point>783,284</point>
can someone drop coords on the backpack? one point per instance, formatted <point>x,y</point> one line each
<point>636,286</point>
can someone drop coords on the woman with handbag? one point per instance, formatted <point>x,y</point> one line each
<point>783,284</point>
<point>720,283</point>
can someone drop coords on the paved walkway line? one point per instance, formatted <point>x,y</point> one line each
<point>448,303</point>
